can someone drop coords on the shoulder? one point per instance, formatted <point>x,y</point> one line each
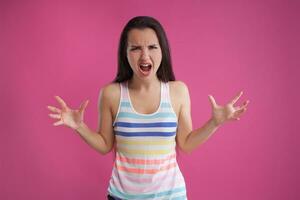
<point>179,88</point>
<point>179,95</point>
<point>110,89</point>
<point>110,93</point>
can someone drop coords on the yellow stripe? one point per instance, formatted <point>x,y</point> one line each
<point>144,152</point>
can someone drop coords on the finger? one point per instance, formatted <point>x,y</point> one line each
<point>58,123</point>
<point>239,112</point>
<point>212,101</point>
<point>61,101</point>
<point>55,116</point>
<point>237,108</point>
<point>54,109</point>
<point>236,98</point>
<point>245,104</point>
<point>234,118</point>
<point>83,106</point>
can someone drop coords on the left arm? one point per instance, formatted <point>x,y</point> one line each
<point>189,139</point>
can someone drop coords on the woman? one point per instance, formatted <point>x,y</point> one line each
<point>144,114</point>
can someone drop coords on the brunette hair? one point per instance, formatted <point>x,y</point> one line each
<point>165,72</point>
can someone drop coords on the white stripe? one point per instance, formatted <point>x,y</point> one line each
<point>159,119</point>
<point>148,138</point>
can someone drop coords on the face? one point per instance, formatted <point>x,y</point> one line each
<point>143,53</point>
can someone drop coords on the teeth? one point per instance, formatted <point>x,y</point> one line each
<point>145,65</point>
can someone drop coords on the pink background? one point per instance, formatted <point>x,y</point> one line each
<point>69,48</point>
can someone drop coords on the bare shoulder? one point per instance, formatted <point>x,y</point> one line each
<point>179,94</point>
<point>110,95</point>
<point>178,88</point>
<point>111,91</point>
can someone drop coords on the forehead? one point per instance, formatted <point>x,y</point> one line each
<point>144,36</point>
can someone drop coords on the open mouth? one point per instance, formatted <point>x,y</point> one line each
<point>145,67</point>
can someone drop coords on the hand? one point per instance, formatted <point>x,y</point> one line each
<point>67,116</point>
<point>221,114</point>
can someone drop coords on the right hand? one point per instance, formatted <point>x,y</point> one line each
<point>67,116</point>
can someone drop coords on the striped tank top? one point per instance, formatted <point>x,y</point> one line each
<point>145,166</point>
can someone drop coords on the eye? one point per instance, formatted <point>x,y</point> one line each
<point>153,47</point>
<point>134,48</point>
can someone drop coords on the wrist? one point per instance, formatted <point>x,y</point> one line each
<point>80,127</point>
<point>214,122</point>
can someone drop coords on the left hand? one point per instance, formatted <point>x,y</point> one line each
<point>221,114</point>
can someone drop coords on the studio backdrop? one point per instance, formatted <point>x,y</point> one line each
<point>69,48</point>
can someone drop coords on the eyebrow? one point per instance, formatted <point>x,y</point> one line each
<point>140,46</point>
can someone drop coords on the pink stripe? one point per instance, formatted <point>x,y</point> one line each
<point>138,180</point>
<point>155,185</point>
<point>145,171</point>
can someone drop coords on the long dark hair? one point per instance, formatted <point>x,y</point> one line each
<point>165,72</point>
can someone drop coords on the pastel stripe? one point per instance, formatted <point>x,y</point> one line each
<point>146,171</point>
<point>145,142</point>
<point>144,161</point>
<point>183,197</point>
<point>146,196</point>
<point>140,134</point>
<point>148,179</point>
<point>144,152</point>
<point>150,129</point>
<point>140,187</point>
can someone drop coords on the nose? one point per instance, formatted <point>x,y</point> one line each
<point>145,53</point>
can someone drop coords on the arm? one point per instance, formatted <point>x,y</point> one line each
<point>189,139</point>
<point>103,139</point>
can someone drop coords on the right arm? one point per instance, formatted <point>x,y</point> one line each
<point>103,139</point>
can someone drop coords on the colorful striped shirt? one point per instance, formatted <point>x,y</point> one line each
<point>145,166</point>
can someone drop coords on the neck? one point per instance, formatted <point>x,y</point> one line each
<point>139,84</point>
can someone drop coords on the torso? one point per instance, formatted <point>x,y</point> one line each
<point>139,101</point>
<point>145,145</point>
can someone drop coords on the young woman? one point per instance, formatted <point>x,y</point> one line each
<point>144,114</point>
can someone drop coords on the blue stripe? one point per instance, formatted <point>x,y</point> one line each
<point>180,198</point>
<point>165,105</point>
<point>136,116</point>
<point>133,134</point>
<point>146,196</point>
<point>125,104</point>
<point>145,125</point>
